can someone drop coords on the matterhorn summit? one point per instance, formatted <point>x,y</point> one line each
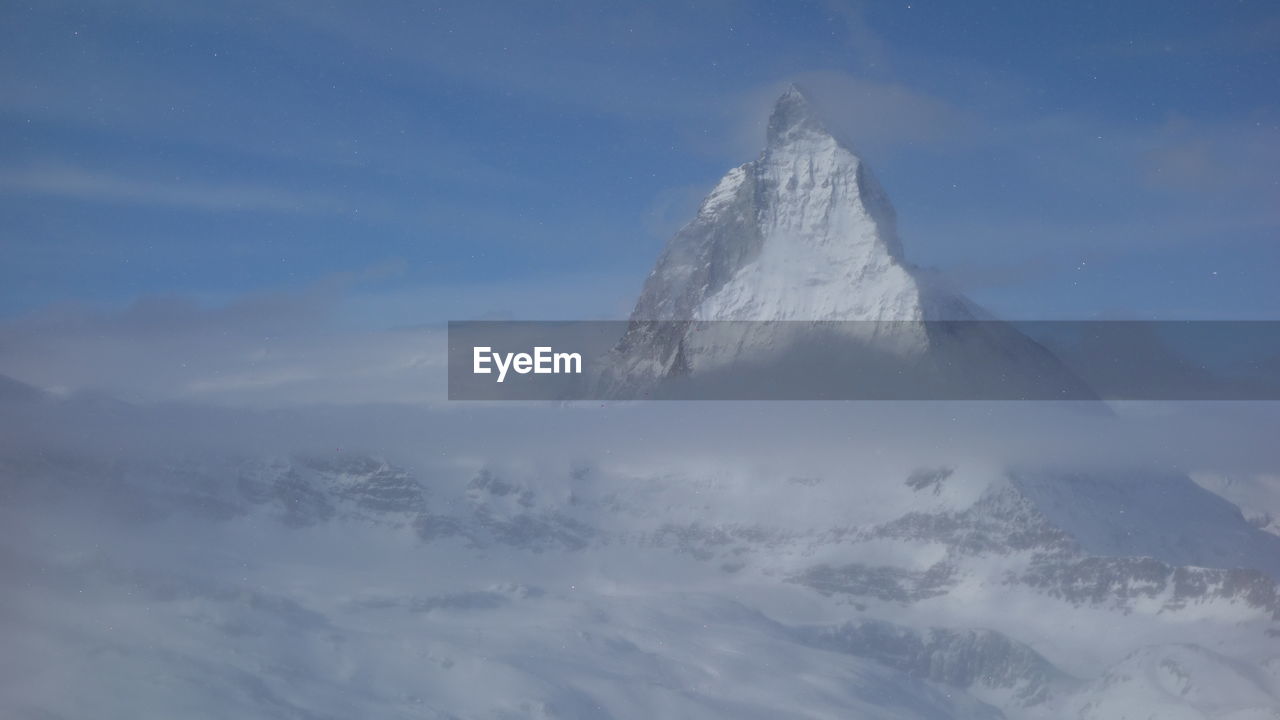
<point>804,232</point>
<point>799,251</point>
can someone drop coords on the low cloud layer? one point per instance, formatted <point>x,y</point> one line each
<point>258,351</point>
<point>280,374</point>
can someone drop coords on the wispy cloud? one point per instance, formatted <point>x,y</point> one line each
<point>77,183</point>
<point>1222,159</point>
<point>876,115</point>
<point>343,340</point>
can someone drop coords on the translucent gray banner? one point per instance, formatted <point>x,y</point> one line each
<point>936,360</point>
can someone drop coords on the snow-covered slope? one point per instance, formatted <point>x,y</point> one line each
<point>1180,682</point>
<point>1257,496</point>
<point>1161,515</point>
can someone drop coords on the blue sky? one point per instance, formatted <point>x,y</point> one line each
<point>421,163</point>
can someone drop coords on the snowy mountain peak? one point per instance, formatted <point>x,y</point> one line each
<point>802,233</point>
<point>793,116</point>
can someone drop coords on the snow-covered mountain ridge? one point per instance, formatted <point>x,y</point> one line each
<point>803,233</point>
<point>796,256</point>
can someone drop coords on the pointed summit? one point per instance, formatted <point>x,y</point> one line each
<point>793,116</point>
<point>802,233</point>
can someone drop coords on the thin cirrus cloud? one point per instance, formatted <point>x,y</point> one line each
<point>874,115</point>
<point>1223,160</point>
<point>77,183</point>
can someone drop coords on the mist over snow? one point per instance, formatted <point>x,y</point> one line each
<point>898,560</point>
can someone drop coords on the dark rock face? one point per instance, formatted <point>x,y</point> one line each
<point>881,582</point>
<point>376,487</point>
<point>1002,521</point>
<point>929,479</point>
<point>1118,582</point>
<point>300,502</point>
<point>311,490</point>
